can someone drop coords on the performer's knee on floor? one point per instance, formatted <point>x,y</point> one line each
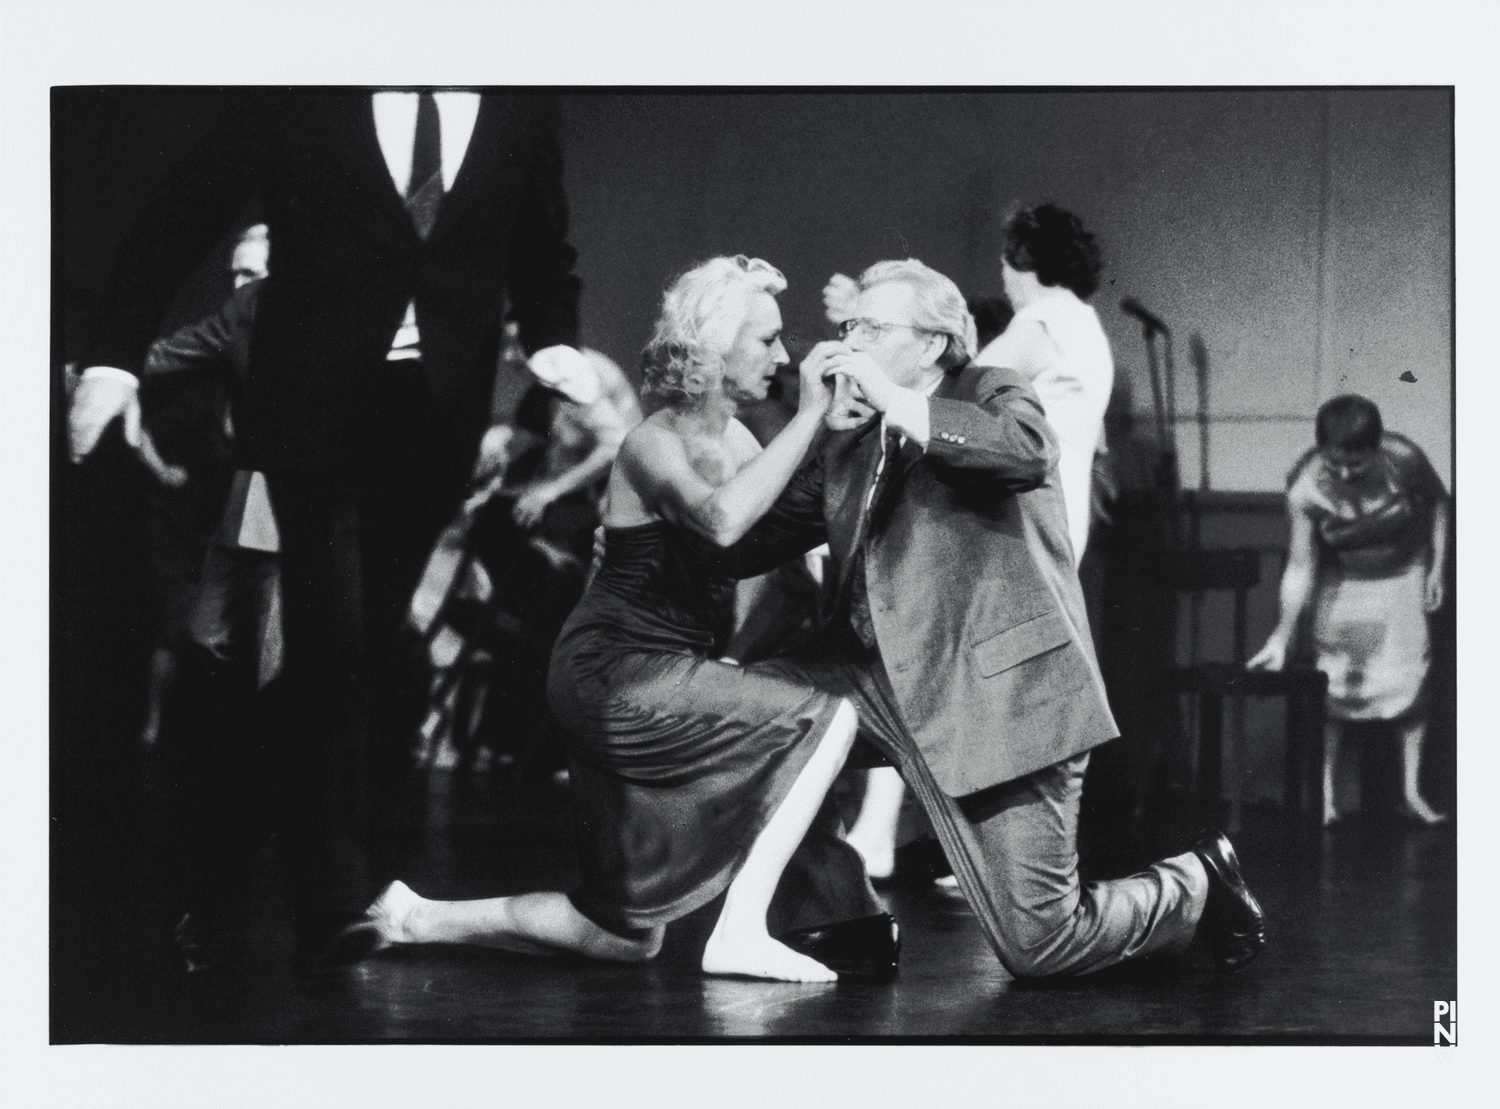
<point>1038,944</point>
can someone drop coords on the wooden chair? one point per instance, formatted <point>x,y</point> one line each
<point>1215,683</point>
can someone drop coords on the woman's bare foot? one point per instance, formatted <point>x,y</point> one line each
<point>1330,816</point>
<point>390,915</point>
<point>759,956</point>
<point>1423,813</point>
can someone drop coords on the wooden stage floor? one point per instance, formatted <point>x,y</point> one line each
<point>1362,940</point>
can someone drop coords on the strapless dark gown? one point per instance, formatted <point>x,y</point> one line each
<point>677,760</point>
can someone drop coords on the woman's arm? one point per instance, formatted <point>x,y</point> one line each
<point>1432,597</point>
<point>608,426</point>
<point>1297,584</point>
<point>656,463</point>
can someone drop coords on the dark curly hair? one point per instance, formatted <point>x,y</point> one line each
<point>1052,243</point>
<point>1349,422</point>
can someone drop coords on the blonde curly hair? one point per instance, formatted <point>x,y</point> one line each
<point>701,313</point>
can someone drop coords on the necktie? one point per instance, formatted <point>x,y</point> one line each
<point>424,190</point>
<point>859,597</point>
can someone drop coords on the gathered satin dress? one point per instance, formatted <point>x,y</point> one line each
<point>677,760</point>
<point>1374,540</point>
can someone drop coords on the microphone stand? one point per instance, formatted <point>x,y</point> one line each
<point>1166,423</point>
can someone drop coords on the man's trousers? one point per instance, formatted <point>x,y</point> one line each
<point>1014,847</point>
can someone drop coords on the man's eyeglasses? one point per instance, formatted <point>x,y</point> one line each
<point>871,331</point>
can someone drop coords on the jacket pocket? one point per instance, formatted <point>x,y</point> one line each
<point>1023,641</point>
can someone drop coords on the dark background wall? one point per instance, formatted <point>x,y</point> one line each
<point>1305,235</point>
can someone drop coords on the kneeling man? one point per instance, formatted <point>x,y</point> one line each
<point>961,636</point>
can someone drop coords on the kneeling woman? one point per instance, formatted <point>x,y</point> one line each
<point>689,775</point>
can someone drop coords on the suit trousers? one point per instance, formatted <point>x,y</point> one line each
<point>354,682</point>
<point>1014,847</point>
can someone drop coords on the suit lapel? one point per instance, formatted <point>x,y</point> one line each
<point>852,465</point>
<point>493,128</point>
<point>351,118</point>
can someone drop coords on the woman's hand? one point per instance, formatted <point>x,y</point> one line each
<point>173,477</point>
<point>816,392</point>
<point>1271,657</point>
<point>494,453</point>
<point>847,408</point>
<point>1432,591</point>
<point>532,504</point>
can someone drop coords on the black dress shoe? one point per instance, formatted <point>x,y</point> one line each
<point>346,941</point>
<point>1232,919</point>
<point>865,948</point>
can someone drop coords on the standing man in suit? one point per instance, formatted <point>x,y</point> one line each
<point>402,221</point>
<point>962,640</point>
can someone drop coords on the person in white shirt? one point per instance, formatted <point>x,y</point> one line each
<point>1051,266</point>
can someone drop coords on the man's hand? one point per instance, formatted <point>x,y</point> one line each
<point>532,504</point>
<point>846,407</point>
<point>563,368</point>
<point>98,399</point>
<point>877,390</point>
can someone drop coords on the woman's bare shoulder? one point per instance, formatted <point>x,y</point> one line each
<point>652,438</point>
<point>742,443</point>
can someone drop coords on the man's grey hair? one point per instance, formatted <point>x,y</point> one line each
<point>938,306</point>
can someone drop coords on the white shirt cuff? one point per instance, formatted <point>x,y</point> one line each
<point>909,414</point>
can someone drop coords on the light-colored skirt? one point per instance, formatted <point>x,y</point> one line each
<point>1371,640</point>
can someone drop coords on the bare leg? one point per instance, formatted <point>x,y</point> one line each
<point>535,923</point>
<point>740,943</point>
<point>1332,733</point>
<point>874,831</point>
<point>1413,735</point>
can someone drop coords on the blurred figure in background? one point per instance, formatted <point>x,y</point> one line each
<point>214,544</point>
<point>236,618</point>
<point>1051,266</point>
<point>186,442</point>
<point>519,547</point>
<point>1369,544</point>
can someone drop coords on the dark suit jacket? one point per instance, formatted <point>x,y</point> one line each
<point>188,381</point>
<point>976,606</point>
<point>346,261</point>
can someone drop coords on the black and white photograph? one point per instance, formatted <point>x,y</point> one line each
<point>905,555</point>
